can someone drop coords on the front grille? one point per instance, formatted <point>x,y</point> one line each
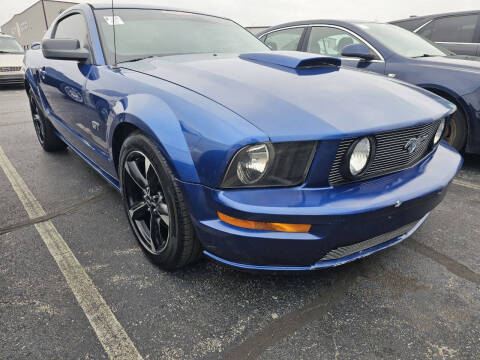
<point>390,153</point>
<point>10,68</point>
<point>343,251</point>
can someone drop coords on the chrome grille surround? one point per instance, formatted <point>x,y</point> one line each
<point>343,251</point>
<point>390,153</point>
<point>10,68</point>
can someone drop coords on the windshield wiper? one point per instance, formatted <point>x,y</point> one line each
<point>158,55</point>
<point>138,59</point>
<point>424,55</point>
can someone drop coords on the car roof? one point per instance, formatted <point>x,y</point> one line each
<point>151,6</point>
<point>343,23</point>
<point>413,18</point>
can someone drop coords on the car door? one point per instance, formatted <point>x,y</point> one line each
<point>330,40</point>
<point>63,81</point>
<point>289,39</point>
<point>459,33</point>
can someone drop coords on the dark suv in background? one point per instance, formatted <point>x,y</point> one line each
<point>458,32</point>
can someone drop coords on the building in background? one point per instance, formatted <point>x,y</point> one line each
<point>30,25</point>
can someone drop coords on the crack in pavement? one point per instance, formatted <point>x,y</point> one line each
<point>286,325</point>
<point>450,264</point>
<point>65,211</point>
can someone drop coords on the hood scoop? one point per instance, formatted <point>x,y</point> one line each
<point>292,59</point>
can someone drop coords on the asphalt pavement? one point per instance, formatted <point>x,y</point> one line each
<point>417,300</point>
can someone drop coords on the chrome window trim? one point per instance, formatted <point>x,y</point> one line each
<point>382,59</point>
<point>422,26</point>
<point>457,43</point>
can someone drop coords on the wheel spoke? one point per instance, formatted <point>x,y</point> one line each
<point>152,178</point>
<point>139,210</point>
<point>147,207</point>
<point>132,169</point>
<point>37,122</point>
<point>155,235</point>
<point>165,219</point>
<point>147,165</point>
<point>162,208</point>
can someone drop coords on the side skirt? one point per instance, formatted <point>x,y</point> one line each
<point>114,182</point>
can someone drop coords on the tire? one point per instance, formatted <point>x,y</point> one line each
<point>456,133</point>
<point>155,206</point>
<point>46,135</point>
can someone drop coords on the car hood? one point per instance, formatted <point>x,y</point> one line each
<point>454,62</point>
<point>289,102</point>
<point>11,60</point>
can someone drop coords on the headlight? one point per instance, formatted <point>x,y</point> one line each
<point>253,162</point>
<point>358,156</point>
<point>266,164</point>
<point>439,133</point>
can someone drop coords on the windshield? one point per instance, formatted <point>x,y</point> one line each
<point>10,46</point>
<point>140,33</point>
<point>401,41</point>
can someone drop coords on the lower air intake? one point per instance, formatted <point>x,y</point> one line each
<point>343,251</point>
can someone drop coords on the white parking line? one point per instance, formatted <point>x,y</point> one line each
<point>109,331</point>
<point>466,184</point>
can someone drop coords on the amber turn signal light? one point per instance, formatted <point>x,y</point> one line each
<point>256,225</point>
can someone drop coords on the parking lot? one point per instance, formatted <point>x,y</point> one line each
<point>419,299</point>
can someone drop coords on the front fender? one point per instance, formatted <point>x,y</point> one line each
<point>156,120</point>
<point>197,136</point>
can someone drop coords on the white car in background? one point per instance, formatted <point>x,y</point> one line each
<point>11,61</point>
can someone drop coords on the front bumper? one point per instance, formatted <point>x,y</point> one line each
<point>348,222</point>
<point>13,78</point>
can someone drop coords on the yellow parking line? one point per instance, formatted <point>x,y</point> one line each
<point>466,184</point>
<point>109,331</point>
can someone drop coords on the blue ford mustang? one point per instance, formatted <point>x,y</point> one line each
<point>398,53</point>
<point>260,159</point>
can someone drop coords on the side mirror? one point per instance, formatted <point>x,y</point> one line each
<point>64,49</point>
<point>359,51</point>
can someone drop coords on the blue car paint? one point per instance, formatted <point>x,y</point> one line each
<point>339,216</point>
<point>200,109</point>
<point>272,96</point>
<point>327,263</point>
<point>457,77</point>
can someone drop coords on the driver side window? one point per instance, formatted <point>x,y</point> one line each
<point>72,27</point>
<point>330,41</point>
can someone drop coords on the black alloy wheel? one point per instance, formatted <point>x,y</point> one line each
<point>154,204</point>
<point>46,135</point>
<point>147,207</point>
<point>37,120</point>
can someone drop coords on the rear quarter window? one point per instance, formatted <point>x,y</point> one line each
<point>452,29</point>
<point>286,39</point>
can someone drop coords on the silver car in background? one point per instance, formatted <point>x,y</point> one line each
<point>11,61</point>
